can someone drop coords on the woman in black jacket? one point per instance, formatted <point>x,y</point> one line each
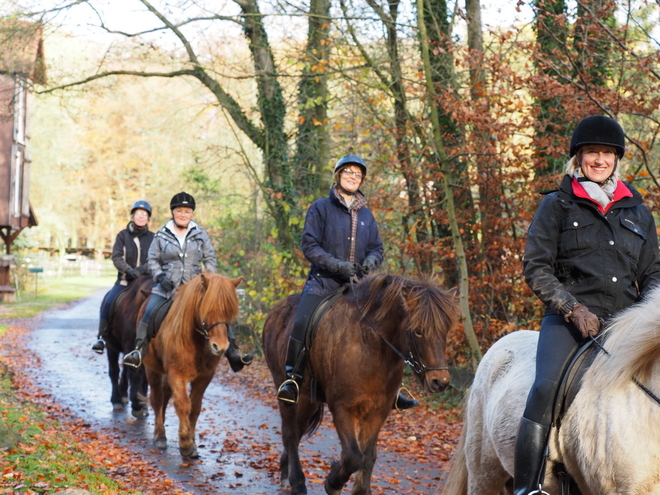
<point>592,250</point>
<point>341,241</point>
<point>129,255</point>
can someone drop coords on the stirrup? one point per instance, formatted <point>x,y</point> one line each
<point>133,352</point>
<point>290,380</point>
<point>539,491</point>
<point>412,398</point>
<point>245,360</point>
<point>98,349</point>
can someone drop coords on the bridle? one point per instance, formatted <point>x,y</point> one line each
<point>204,330</point>
<point>413,359</point>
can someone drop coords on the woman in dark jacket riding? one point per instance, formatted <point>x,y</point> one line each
<point>592,250</point>
<point>129,255</point>
<point>341,241</point>
<point>179,252</point>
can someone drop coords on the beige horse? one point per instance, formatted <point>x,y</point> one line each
<point>609,439</point>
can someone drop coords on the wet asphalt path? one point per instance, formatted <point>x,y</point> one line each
<point>77,378</point>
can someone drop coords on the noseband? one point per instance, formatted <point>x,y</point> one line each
<point>414,359</point>
<point>204,330</point>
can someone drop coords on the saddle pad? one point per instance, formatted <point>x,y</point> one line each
<point>319,313</point>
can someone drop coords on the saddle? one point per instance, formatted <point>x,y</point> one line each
<point>315,318</point>
<point>159,316</point>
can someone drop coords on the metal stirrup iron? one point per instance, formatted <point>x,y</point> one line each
<point>297,391</point>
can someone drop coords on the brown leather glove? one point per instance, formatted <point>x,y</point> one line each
<point>586,322</point>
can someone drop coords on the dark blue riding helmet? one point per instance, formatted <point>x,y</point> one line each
<point>141,205</point>
<point>351,160</point>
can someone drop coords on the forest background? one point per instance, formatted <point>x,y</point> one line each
<point>462,117</point>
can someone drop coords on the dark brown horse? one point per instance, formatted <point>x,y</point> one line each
<point>121,340</point>
<point>357,359</point>
<point>187,349</point>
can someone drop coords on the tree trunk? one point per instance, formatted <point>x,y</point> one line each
<point>441,154</point>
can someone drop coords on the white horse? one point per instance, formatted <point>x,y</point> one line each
<point>609,440</point>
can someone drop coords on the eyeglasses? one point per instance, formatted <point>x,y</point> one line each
<point>350,173</point>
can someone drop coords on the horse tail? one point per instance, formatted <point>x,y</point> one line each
<point>456,479</point>
<point>314,421</point>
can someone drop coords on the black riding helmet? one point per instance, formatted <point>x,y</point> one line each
<point>598,129</point>
<point>182,199</point>
<point>141,205</point>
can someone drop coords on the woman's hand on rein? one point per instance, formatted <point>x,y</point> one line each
<point>586,322</point>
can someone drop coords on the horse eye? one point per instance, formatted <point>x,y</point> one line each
<point>418,334</point>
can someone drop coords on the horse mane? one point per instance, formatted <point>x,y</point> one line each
<point>427,307</point>
<point>633,342</point>
<point>190,301</point>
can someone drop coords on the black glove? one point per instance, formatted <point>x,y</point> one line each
<point>165,283</point>
<point>369,264</point>
<point>586,322</point>
<point>132,274</point>
<point>142,269</point>
<point>346,269</point>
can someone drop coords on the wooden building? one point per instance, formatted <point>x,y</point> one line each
<point>21,65</point>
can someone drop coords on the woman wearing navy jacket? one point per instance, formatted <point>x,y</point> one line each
<point>341,241</point>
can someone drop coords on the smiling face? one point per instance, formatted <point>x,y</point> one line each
<point>140,217</point>
<point>182,216</point>
<point>597,161</point>
<point>350,178</point>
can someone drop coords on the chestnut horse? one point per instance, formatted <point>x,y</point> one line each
<point>607,440</point>
<point>121,340</point>
<point>187,349</point>
<point>357,360</point>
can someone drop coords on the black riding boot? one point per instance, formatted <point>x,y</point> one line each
<point>236,361</point>
<point>296,358</point>
<point>529,459</point>
<point>402,402</point>
<point>99,346</point>
<point>134,358</point>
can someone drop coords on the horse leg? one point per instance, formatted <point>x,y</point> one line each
<point>182,407</point>
<point>368,436</point>
<point>197,389</point>
<point>138,392</point>
<point>294,423</point>
<point>158,399</point>
<point>114,373</point>
<point>352,458</point>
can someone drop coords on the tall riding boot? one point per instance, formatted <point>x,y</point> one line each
<point>99,346</point>
<point>134,358</point>
<point>529,459</point>
<point>402,402</point>
<point>236,361</point>
<point>296,359</point>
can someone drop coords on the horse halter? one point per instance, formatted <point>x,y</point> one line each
<point>204,330</point>
<point>413,360</point>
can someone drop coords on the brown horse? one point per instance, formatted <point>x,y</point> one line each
<point>121,340</point>
<point>187,349</point>
<point>357,360</point>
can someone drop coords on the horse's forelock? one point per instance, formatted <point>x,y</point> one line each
<point>428,308</point>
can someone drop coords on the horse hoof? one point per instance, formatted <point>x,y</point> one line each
<point>140,413</point>
<point>190,453</point>
<point>329,490</point>
<point>161,443</point>
<point>117,407</point>
<point>299,490</point>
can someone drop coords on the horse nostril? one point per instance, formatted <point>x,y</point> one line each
<point>215,348</point>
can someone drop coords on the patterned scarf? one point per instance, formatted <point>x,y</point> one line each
<point>601,194</point>
<point>358,202</point>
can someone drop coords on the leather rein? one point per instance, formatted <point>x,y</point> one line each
<point>413,360</point>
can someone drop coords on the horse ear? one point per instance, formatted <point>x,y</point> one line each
<point>236,281</point>
<point>204,280</point>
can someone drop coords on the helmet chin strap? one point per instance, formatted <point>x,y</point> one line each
<point>344,191</point>
<point>180,226</point>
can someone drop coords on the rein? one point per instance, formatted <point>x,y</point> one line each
<point>414,361</point>
<point>634,378</point>
<point>204,330</point>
